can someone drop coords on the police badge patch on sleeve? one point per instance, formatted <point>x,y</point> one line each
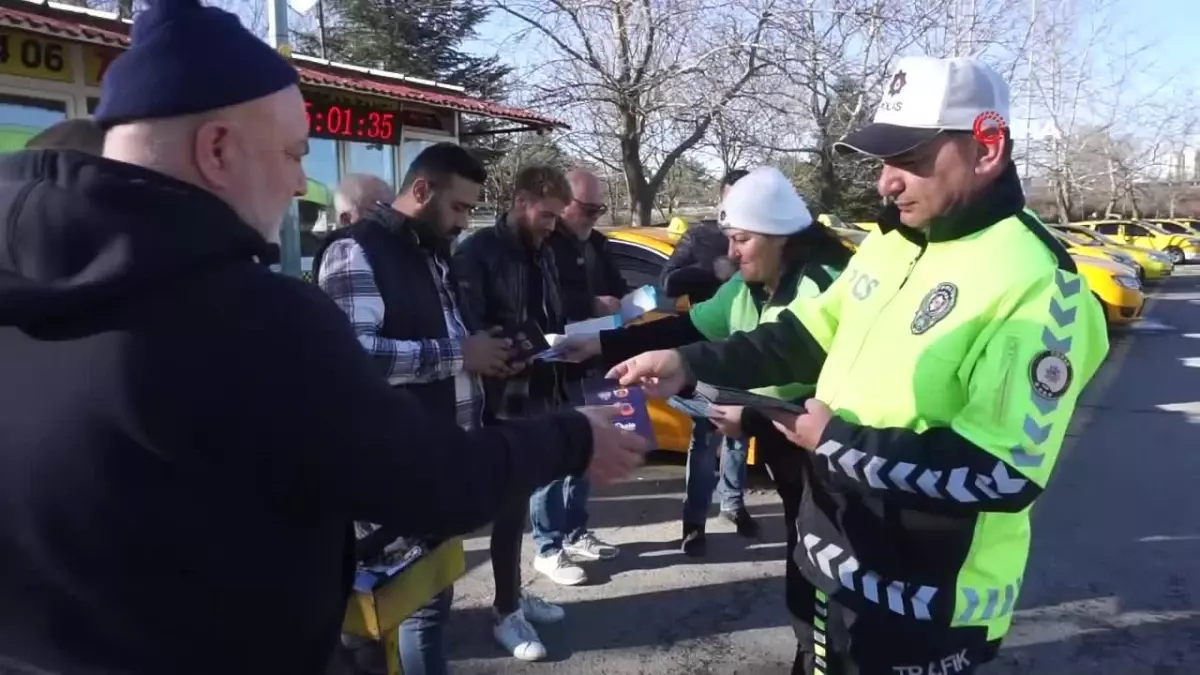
<point>1050,373</point>
<point>934,307</point>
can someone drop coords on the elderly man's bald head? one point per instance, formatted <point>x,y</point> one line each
<point>587,202</point>
<point>357,193</point>
<point>249,155</point>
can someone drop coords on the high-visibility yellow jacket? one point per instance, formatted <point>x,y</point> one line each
<point>953,362</point>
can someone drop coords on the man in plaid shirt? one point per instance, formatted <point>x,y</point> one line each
<point>395,257</point>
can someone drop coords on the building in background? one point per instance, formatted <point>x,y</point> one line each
<point>53,57</point>
<point>1185,165</point>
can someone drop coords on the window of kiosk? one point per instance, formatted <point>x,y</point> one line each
<point>316,206</point>
<point>92,104</point>
<point>410,148</point>
<point>23,117</point>
<point>372,158</point>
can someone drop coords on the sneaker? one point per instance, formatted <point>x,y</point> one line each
<point>519,638</point>
<point>589,547</point>
<point>743,521</point>
<point>693,544</point>
<point>560,569</point>
<point>537,610</point>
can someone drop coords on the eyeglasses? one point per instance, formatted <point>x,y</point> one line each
<point>591,210</point>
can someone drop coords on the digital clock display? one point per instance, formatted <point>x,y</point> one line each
<point>345,120</point>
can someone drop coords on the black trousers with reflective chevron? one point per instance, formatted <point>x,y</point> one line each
<point>832,640</point>
<point>836,641</point>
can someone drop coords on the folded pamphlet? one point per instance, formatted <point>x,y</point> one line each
<point>594,326</point>
<point>643,300</point>
<point>553,354</point>
<point>633,415</point>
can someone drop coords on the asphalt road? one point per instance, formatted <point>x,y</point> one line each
<point>1113,587</point>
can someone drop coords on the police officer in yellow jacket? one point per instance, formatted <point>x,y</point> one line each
<point>948,359</point>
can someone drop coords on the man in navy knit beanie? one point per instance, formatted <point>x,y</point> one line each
<point>200,98</point>
<point>187,436</point>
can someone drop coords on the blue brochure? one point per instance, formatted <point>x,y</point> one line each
<point>633,414</point>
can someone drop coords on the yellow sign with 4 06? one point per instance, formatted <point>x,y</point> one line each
<point>33,56</point>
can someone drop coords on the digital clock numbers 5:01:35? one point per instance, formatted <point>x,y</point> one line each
<point>343,120</point>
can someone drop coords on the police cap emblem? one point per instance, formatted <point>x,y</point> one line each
<point>934,307</point>
<point>1050,373</point>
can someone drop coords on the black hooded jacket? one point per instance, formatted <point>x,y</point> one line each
<point>186,436</point>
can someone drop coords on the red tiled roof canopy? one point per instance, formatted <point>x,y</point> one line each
<point>333,76</point>
<point>115,33</point>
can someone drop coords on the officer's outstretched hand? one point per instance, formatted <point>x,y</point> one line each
<point>615,453</point>
<point>727,419</point>
<point>660,373</point>
<point>803,430</point>
<point>579,348</point>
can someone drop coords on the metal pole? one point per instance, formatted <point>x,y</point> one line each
<point>1029,88</point>
<point>971,32</point>
<point>321,28</point>
<point>289,234</point>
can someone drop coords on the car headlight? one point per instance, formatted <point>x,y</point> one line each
<point>1128,282</point>
<point>1159,257</point>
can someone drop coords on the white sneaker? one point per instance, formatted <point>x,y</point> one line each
<point>589,547</point>
<point>519,638</point>
<point>560,568</point>
<point>537,610</point>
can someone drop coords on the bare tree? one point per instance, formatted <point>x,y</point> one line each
<point>1103,128</point>
<point>731,139</point>
<point>641,81</point>
<point>833,64</point>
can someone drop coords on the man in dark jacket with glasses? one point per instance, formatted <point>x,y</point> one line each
<point>591,283</point>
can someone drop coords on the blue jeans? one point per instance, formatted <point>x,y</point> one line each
<point>558,513</point>
<point>423,637</point>
<point>702,473</point>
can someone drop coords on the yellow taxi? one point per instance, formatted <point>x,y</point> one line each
<point>1155,266</point>
<point>1187,227</point>
<point>1179,247</point>
<point>851,237</point>
<point>1081,247</point>
<point>640,253</point>
<point>1115,286</point>
<point>1192,224</point>
<point>850,233</point>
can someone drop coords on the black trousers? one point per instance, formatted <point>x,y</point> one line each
<point>508,530</point>
<point>839,642</point>
<point>832,640</point>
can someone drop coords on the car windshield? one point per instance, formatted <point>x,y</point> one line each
<point>1096,236</point>
<point>1153,227</point>
<point>1076,239</point>
<point>1173,228</point>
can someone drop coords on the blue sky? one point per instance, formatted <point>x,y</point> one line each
<point>1164,22</point>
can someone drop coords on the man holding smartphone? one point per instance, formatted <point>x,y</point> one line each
<point>507,277</point>
<point>388,270</point>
